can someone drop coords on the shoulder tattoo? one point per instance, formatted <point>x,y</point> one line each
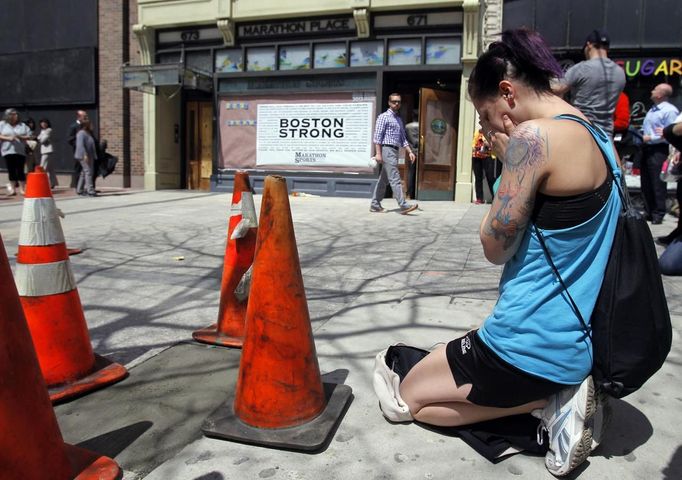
<point>527,149</point>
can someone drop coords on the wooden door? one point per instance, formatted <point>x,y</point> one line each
<point>199,150</point>
<point>438,113</point>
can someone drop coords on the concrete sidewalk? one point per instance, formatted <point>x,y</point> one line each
<point>150,275</point>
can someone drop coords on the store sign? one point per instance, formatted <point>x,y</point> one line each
<point>647,67</point>
<point>418,20</point>
<point>188,36</point>
<point>298,27</point>
<point>299,83</point>
<point>314,134</point>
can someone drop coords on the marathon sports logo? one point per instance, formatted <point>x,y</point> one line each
<point>466,345</point>
<point>308,157</point>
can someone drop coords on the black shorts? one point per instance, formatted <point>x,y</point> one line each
<point>494,382</point>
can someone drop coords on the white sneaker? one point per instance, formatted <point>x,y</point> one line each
<point>10,189</point>
<point>566,419</point>
<point>387,388</point>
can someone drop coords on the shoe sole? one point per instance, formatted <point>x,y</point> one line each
<point>408,210</point>
<point>582,449</point>
<point>604,419</point>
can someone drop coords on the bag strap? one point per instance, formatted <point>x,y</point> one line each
<point>541,239</point>
<point>597,134</point>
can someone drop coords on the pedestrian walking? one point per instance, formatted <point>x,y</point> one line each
<point>81,115</point>
<point>14,136</point>
<point>389,136</point>
<point>86,153</point>
<point>46,150</point>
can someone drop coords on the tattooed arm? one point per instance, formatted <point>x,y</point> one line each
<point>524,167</point>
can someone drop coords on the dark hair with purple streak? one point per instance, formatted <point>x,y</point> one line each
<point>521,55</point>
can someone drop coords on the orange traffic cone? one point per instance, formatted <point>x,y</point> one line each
<point>31,443</point>
<point>280,400</point>
<point>69,251</point>
<point>241,244</point>
<point>48,293</point>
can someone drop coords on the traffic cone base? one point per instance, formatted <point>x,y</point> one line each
<point>311,436</point>
<point>87,465</point>
<point>212,336</point>
<point>105,372</point>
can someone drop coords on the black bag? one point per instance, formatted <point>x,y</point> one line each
<point>493,439</point>
<point>630,329</point>
<point>401,358</point>
<point>107,165</point>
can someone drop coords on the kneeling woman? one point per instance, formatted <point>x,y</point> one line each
<point>531,355</point>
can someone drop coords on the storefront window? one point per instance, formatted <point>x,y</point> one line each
<point>169,57</point>
<point>440,51</point>
<point>366,53</point>
<point>260,59</point>
<point>229,60</point>
<point>405,52</point>
<point>199,60</point>
<point>294,57</point>
<point>330,55</point>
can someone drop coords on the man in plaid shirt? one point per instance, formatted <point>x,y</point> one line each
<point>389,136</point>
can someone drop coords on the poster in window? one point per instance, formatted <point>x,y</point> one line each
<point>314,134</point>
<point>294,57</point>
<point>406,51</point>
<point>442,51</point>
<point>229,60</point>
<point>330,55</point>
<point>260,59</point>
<point>366,53</point>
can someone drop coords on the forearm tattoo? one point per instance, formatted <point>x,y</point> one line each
<point>526,150</point>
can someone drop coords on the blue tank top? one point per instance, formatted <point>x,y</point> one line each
<point>533,326</point>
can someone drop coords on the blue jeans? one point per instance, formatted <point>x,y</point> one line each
<point>671,259</point>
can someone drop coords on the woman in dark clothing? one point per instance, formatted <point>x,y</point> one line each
<point>530,355</point>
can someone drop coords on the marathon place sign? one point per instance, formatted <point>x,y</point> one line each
<point>297,27</point>
<point>314,134</point>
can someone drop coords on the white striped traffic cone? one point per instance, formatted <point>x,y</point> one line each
<point>48,293</point>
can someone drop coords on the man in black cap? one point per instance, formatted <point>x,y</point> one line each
<point>595,83</point>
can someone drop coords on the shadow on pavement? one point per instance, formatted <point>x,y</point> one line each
<point>628,429</point>
<point>114,442</point>
<point>674,469</point>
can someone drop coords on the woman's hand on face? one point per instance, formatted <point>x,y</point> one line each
<point>499,140</point>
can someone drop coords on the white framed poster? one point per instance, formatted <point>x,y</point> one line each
<point>314,134</point>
